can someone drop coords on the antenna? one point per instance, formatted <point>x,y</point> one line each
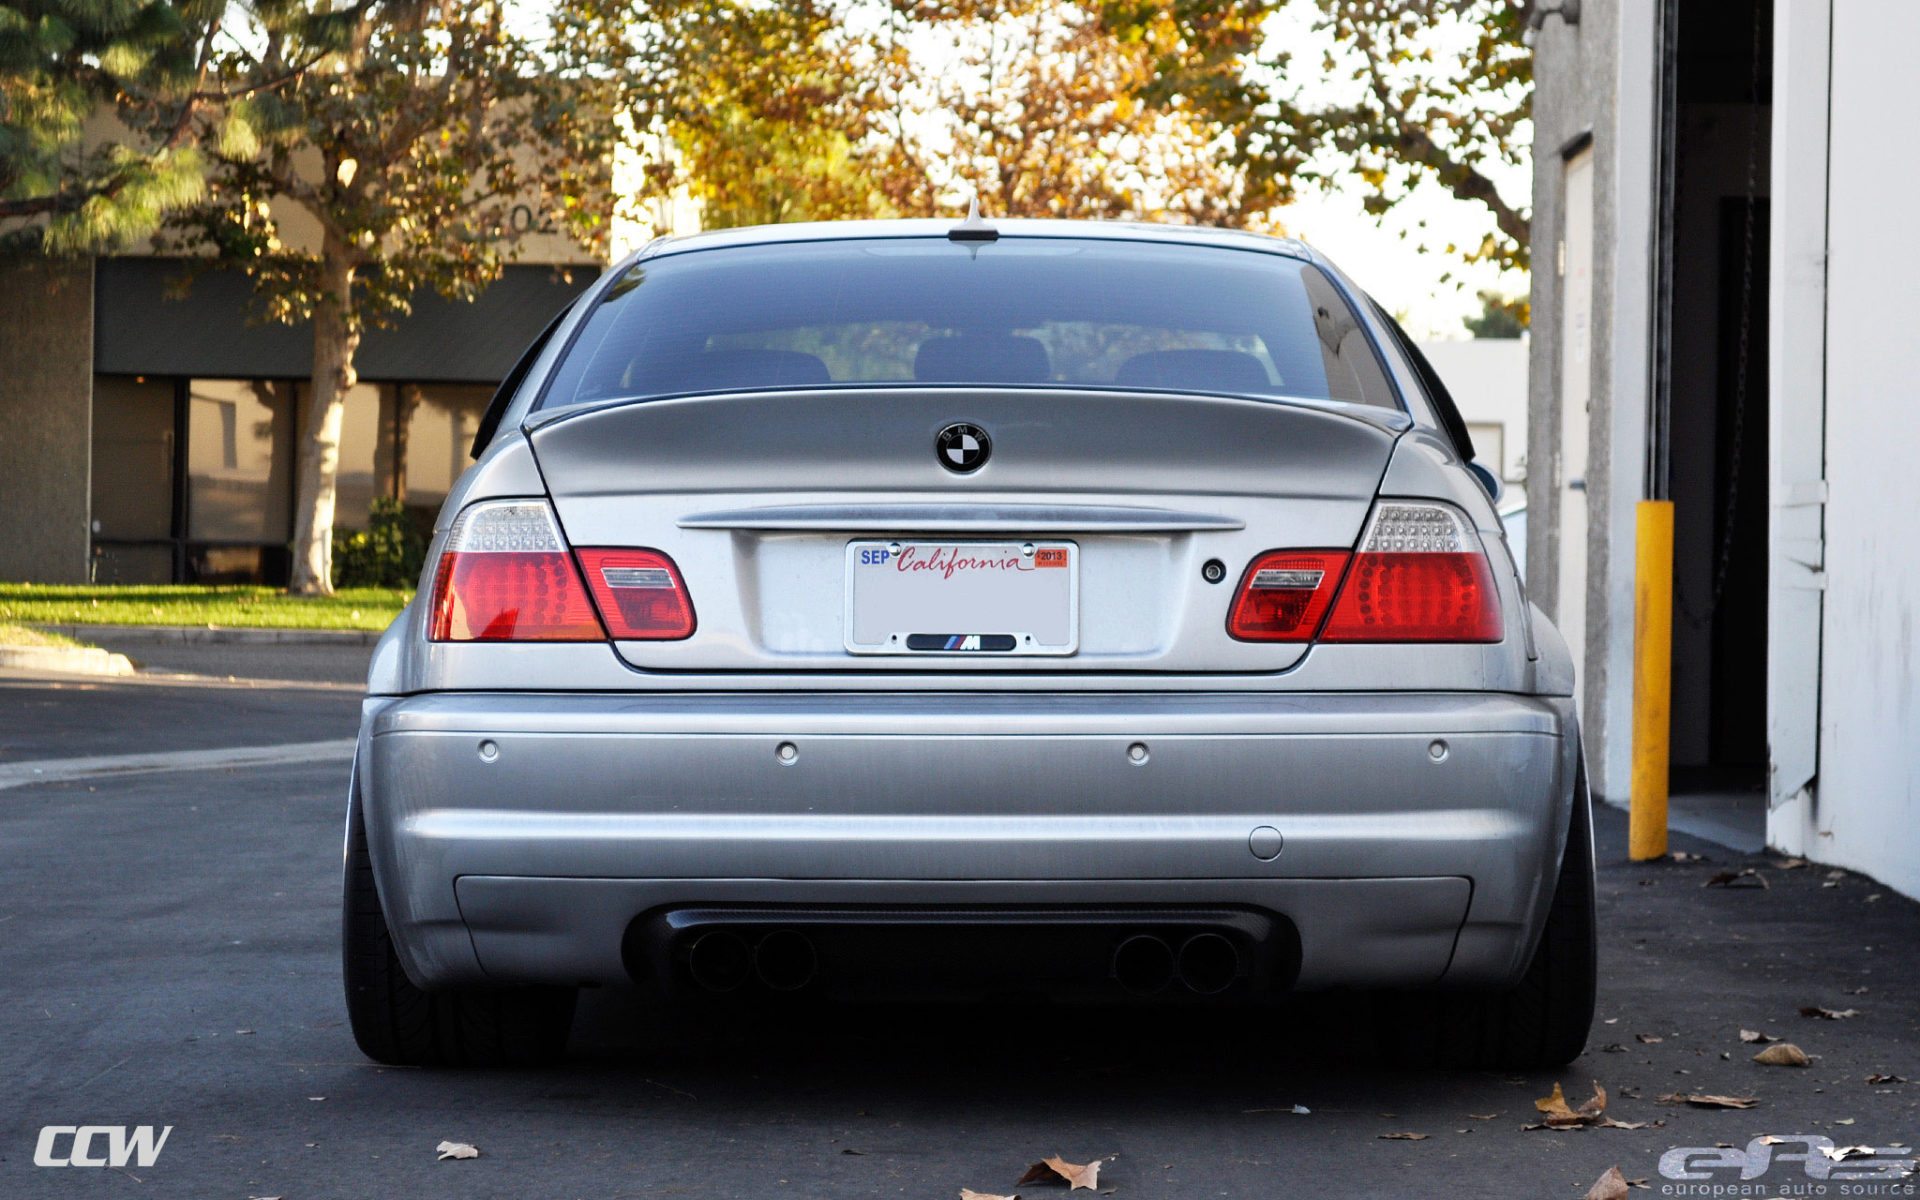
<point>973,229</point>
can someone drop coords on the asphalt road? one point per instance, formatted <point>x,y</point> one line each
<point>168,956</point>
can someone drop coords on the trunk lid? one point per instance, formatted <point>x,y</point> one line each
<point>758,496</point>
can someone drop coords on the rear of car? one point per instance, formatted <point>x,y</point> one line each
<point>875,609</point>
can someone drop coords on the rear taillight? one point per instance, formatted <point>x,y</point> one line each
<point>505,576</point>
<point>1419,576</point>
<point>1284,594</point>
<point>640,593</point>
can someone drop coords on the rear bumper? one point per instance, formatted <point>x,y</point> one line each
<point>517,836</point>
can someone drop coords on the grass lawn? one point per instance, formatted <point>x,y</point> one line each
<point>20,635</point>
<point>185,604</point>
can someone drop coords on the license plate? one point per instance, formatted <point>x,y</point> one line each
<point>963,598</point>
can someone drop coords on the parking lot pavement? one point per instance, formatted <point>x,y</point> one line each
<point>168,946</point>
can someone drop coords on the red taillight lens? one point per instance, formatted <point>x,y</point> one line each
<point>512,597</point>
<point>505,576</point>
<point>1420,576</point>
<point>1284,594</point>
<point>640,593</point>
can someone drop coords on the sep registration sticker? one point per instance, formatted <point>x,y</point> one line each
<point>962,598</point>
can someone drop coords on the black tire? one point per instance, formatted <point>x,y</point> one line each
<point>1543,1020</point>
<point>397,1023</point>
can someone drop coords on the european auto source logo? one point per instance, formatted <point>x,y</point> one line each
<point>1804,1164</point>
<point>99,1145</point>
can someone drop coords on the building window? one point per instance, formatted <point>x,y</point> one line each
<point>194,480</point>
<point>439,421</point>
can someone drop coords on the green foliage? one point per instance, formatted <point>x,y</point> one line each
<point>389,553</point>
<point>98,104</point>
<point>1500,316</point>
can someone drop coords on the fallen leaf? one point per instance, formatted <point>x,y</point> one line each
<point>1648,1039</point>
<point>852,1151</point>
<point>456,1150</point>
<point>1844,1121</point>
<point>1746,877</point>
<point>1610,1186</point>
<point>1754,1035</point>
<point>1783,1054</point>
<point>1843,1153</point>
<point>1059,1170</point>
<point>1402,1137</point>
<point>1881,1080</point>
<point>1610,1123</point>
<point>1683,856</point>
<point>1703,1100</point>
<point>1482,1116</point>
<point>1790,864</point>
<point>1560,1116</point>
<point>243,1033</point>
<point>970,1194</point>
<point>1613,1048</point>
<point>1828,1014</point>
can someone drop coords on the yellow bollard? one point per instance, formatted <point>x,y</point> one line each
<point>1652,678</point>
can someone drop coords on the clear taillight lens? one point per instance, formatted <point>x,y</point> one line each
<point>1420,576</point>
<point>1284,595</point>
<point>505,576</point>
<point>640,593</point>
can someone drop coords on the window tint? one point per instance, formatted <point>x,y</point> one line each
<point>1020,311</point>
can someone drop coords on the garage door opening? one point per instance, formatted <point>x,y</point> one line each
<point>1711,423</point>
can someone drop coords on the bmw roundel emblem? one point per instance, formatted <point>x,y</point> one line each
<point>962,448</point>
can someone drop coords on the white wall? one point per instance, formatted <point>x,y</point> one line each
<point>1488,379</point>
<point>1866,812</point>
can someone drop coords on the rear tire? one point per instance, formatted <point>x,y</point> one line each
<point>1543,1020</point>
<point>396,1023</point>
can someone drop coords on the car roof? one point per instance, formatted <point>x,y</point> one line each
<point>1012,227</point>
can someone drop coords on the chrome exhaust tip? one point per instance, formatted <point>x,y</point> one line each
<point>719,961</point>
<point>785,960</point>
<point>1143,964</point>
<point>1209,963</point>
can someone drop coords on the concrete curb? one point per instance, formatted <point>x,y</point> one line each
<point>64,660</point>
<point>221,634</point>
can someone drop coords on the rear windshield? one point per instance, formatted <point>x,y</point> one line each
<point>1030,312</point>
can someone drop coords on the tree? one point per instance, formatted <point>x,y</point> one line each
<point>1441,90</point>
<point>61,64</point>
<point>1500,316</point>
<point>421,125</point>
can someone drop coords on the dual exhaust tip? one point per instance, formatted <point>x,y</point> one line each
<point>723,961</point>
<point>1147,964</point>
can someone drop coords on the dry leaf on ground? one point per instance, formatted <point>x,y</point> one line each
<point>1482,1116</point>
<point>970,1194</point>
<point>1059,1170</point>
<point>456,1150</point>
<point>1843,1153</point>
<point>1878,1080</point>
<point>1783,1054</point>
<point>1684,856</point>
<point>1648,1039</point>
<point>1790,864</point>
<point>1402,1137</point>
<point>1560,1116</point>
<point>1611,1186</point>
<point>1828,1014</point>
<point>1706,1100</point>
<point>1754,1035</point>
<point>1746,877</point>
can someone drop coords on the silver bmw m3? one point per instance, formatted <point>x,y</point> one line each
<point>1089,610</point>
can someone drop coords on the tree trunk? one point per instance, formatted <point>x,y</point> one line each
<point>336,337</point>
